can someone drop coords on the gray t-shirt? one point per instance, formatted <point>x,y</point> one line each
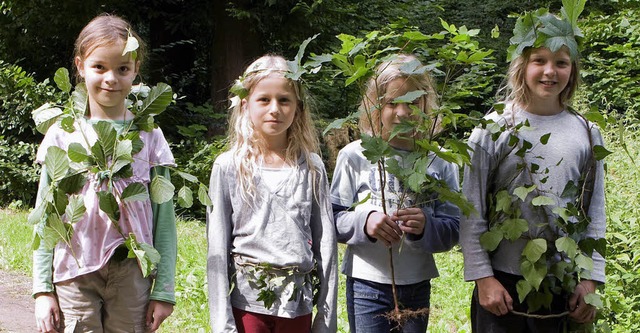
<point>496,165</point>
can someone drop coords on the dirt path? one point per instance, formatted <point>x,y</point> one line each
<point>16,304</point>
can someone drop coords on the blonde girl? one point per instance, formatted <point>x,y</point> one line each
<point>430,225</point>
<point>539,87</point>
<point>271,240</point>
<point>91,285</point>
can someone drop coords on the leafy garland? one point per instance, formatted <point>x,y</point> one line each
<point>541,28</point>
<point>108,159</point>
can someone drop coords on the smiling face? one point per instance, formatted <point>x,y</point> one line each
<point>392,113</point>
<point>272,105</point>
<point>108,76</point>
<point>546,76</point>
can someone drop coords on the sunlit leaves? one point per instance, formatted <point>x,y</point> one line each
<point>135,192</point>
<point>56,162</point>
<point>75,209</point>
<point>491,239</point>
<point>161,189</point>
<point>61,78</point>
<point>109,205</point>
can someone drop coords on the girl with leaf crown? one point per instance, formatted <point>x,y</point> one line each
<point>95,269</point>
<point>272,251</point>
<point>535,245</point>
<point>398,96</point>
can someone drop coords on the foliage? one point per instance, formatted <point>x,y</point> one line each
<point>106,160</point>
<point>21,94</point>
<point>612,58</point>
<point>18,174</point>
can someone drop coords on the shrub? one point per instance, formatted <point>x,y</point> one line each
<point>18,173</point>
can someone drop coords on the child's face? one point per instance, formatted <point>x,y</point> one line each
<point>547,74</point>
<point>393,113</point>
<point>108,76</point>
<point>272,107</point>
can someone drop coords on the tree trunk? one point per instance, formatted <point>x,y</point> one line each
<point>234,46</point>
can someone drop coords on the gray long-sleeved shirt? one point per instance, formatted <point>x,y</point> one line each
<point>291,225</point>
<point>354,179</point>
<point>495,166</point>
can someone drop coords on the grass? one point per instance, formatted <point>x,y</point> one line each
<point>449,299</point>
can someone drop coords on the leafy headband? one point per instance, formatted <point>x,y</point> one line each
<point>543,29</point>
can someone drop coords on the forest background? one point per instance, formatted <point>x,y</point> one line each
<point>200,47</point>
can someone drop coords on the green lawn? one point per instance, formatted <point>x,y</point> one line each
<point>449,300</point>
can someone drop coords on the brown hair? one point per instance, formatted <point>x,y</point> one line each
<point>105,29</point>
<point>515,89</point>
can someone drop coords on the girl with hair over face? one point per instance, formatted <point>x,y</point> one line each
<point>92,285</point>
<point>272,251</point>
<point>543,146</point>
<point>430,225</point>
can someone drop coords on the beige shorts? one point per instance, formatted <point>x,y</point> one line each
<point>112,299</point>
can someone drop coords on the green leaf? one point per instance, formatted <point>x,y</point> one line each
<point>38,213</point>
<point>61,78</point>
<point>491,239</point>
<point>522,191</point>
<point>534,249</point>
<point>545,138</point>
<point>123,150</point>
<point>148,258</point>
<point>584,262</point>
<point>503,201</point>
<point>600,152</point>
<point>568,246</point>
<point>75,209</point>
<point>375,148</point>
<point>560,33</point>
<point>134,192</point>
<point>45,116</point>
<point>80,98</point>
<point>562,212</point>
<point>109,205</point>
<point>188,177</point>
<point>409,97</point>
<point>203,195</point>
<point>571,9</point>
<point>365,199</point>
<point>570,190</point>
<point>77,153</point>
<point>161,189</point>
<point>533,273</point>
<point>523,288</point>
<point>57,226</point>
<point>542,200</point>
<point>185,197</point>
<point>56,162</point>
<point>513,228</point>
<point>159,98</point>
<point>594,299</point>
<point>49,238</point>
<point>107,136</point>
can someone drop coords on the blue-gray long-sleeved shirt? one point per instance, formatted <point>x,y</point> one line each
<point>354,179</point>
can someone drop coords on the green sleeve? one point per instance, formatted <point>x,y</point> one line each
<point>165,240</point>
<point>42,258</point>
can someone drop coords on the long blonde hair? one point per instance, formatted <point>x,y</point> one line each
<point>247,145</point>
<point>515,89</point>
<point>376,89</point>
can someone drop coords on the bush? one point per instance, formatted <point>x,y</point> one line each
<point>21,94</point>
<point>18,173</point>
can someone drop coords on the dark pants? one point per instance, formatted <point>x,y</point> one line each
<point>484,321</point>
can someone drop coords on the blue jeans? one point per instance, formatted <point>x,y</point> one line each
<point>368,301</point>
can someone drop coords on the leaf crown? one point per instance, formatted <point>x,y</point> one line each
<point>543,29</point>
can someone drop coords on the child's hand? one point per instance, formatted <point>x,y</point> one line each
<point>158,311</point>
<point>381,227</point>
<point>47,313</point>
<point>582,312</point>
<point>493,297</point>
<point>410,220</point>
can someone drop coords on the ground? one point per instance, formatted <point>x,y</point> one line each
<point>16,304</point>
